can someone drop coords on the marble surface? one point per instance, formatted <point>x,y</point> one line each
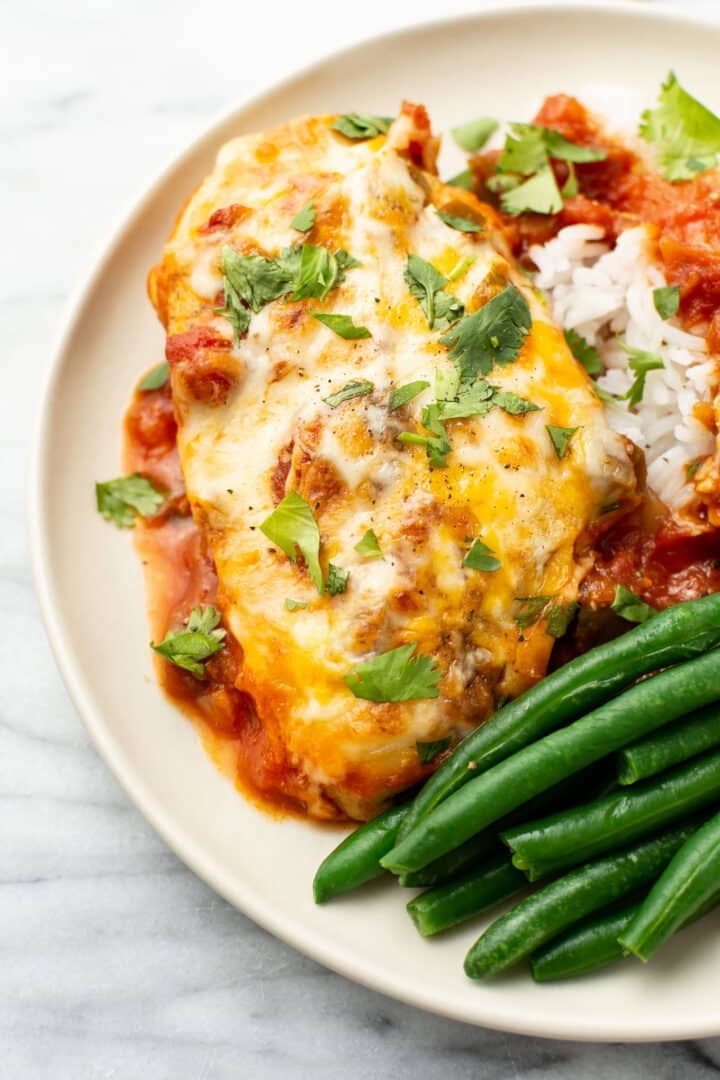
<point>115,960</point>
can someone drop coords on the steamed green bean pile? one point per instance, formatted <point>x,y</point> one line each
<point>601,783</point>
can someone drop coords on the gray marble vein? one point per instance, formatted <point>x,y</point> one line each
<point>115,960</point>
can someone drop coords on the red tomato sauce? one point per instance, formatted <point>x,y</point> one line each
<point>647,552</point>
<point>180,575</point>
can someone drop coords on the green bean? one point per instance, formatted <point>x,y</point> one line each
<point>660,751</point>
<point>466,896</point>
<point>551,910</point>
<point>679,633</point>
<point>593,944</point>
<point>682,890</point>
<point>588,947</point>
<point>643,708</point>
<point>456,862</point>
<point>589,782</point>
<point>574,836</point>
<point>356,859</point>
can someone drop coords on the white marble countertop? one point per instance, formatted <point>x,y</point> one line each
<point>116,960</point>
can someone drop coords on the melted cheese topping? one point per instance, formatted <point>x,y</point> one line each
<point>268,432</point>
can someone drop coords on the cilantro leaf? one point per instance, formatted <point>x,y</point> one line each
<point>640,363</point>
<point>560,617</point>
<point>402,394</point>
<point>687,134</point>
<point>460,223</point>
<point>362,125</point>
<point>337,579</point>
<point>525,151</point>
<point>630,607</point>
<point>585,354</point>
<point>397,675</point>
<point>424,281</point>
<point>571,187</point>
<point>492,335</point>
<point>155,378</point>
<point>190,648</point>
<point>319,271</point>
<point>560,438</point>
<point>342,325</point>
<point>512,403</point>
<point>473,135</point>
<point>481,557</point>
<point>539,194</point>
<point>667,300</point>
<point>561,148</point>
<point>120,500</point>
<point>437,447</point>
<point>692,468</point>
<point>369,546</point>
<point>305,218</point>
<point>462,179</point>
<point>250,282</point>
<point>428,751</point>
<point>349,391</point>
<point>532,609</point>
<point>291,525</point>
<point>294,605</point>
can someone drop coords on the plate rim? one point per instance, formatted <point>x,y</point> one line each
<point>138,792</point>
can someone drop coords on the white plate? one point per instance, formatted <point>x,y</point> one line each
<point>499,63</point>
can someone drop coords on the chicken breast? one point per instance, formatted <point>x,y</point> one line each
<point>435,461</point>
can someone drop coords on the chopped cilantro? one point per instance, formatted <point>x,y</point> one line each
<point>294,605</point>
<point>190,648</point>
<point>462,179</point>
<point>531,610</point>
<point>426,283</point>
<point>319,271</point>
<point>571,187</point>
<point>631,607</point>
<point>512,403</point>
<point>691,469</point>
<point>369,546</point>
<point>402,394</point>
<point>292,525</point>
<point>250,282</point>
<point>560,438</point>
<point>525,162</point>
<point>304,219</point>
<point>686,133</point>
<point>362,125</point>
<point>428,751</point>
<point>667,300</point>
<point>560,617</point>
<point>481,557</point>
<point>397,675</point>
<point>122,499</point>
<point>539,195</point>
<point>492,335</point>
<point>462,224</point>
<point>473,135</point>
<point>349,391</point>
<point>585,354</point>
<point>155,378</point>
<point>640,363</point>
<point>342,325</point>
<point>337,579</point>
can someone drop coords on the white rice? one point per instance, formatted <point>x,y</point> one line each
<point>604,294</point>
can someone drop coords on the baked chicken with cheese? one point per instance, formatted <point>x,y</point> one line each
<point>396,464</point>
